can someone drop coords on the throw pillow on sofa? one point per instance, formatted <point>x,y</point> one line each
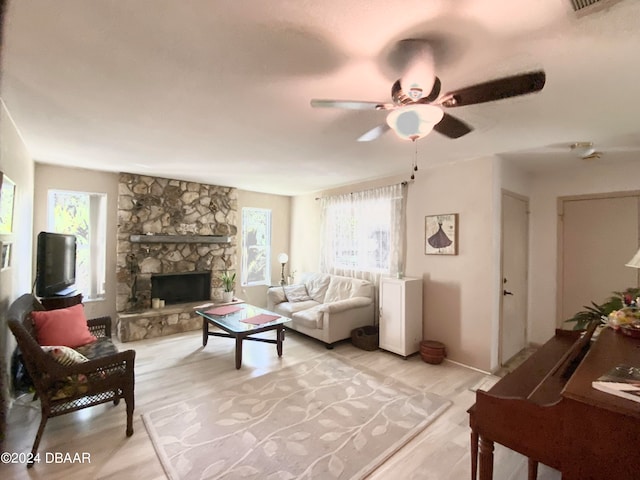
<point>296,293</point>
<point>64,326</point>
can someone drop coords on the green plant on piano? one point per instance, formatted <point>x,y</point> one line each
<point>601,312</point>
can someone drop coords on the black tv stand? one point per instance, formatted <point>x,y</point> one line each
<point>59,301</point>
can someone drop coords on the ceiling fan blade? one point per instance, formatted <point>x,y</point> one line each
<point>496,89</point>
<point>374,133</point>
<point>350,104</point>
<point>452,127</point>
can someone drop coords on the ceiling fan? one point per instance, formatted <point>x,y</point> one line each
<point>585,150</point>
<point>413,114</point>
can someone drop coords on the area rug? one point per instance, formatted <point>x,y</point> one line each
<point>323,419</point>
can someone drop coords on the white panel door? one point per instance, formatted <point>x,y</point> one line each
<point>598,236</point>
<point>515,255</point>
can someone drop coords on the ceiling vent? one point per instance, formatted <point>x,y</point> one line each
<point>583,7</point>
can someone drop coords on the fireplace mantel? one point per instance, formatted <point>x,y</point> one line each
<point>180,239</point>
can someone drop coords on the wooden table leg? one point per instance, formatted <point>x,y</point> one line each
<point>533,469</point>
<point>474,454</point>
<point>486,459</point>
<point>238,352</point>
<point>205,332</point>
<point>279,340</point>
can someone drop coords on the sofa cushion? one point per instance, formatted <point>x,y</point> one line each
<point>275,295</point>
<point>310,318</point>
<point>65,355</point>
<point>342,288</point>
<point>63,326</point>
<point>287,309</point>
<point>102,347</point>
<point>71,386</point>
<point>296,293</point>
<point>317,284</point>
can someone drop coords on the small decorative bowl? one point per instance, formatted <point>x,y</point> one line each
<point>631,329</point>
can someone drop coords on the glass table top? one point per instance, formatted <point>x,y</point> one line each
<point>230,317</point>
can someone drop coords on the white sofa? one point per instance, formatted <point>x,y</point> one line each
<point>325,307</point>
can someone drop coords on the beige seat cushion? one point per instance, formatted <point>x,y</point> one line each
<point>310,318</point>
<point>289,308</point>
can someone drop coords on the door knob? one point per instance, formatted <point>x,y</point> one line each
<point>506,292</point>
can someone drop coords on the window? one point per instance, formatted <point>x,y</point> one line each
<point>361,235</point>
<point>256,246</point>
<point>363,232</point>
<point>83,215</point>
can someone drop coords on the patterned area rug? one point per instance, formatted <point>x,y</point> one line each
<point>322,418</point>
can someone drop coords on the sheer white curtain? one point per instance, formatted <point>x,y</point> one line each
<point>363,233</point>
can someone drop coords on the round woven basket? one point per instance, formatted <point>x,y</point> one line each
<point>432,351</point>
<point>365,338</point>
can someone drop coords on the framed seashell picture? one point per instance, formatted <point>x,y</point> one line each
<point>441,234</point>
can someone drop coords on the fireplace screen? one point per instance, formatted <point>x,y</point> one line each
<point>181,287</point>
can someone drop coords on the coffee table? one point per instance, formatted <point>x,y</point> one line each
<point>234,327</point>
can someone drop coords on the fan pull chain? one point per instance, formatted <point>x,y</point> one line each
<point>414,165</point>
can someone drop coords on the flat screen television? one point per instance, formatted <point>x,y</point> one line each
<point>55,264</point>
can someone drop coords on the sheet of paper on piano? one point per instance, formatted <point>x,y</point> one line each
<point>622,380</point>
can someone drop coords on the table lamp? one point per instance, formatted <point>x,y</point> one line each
<point>635,261</point>
<point>283,258</point>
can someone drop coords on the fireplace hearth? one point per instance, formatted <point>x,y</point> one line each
<point>181,287</point>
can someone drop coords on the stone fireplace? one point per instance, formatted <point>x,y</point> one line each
<point>167,228</point>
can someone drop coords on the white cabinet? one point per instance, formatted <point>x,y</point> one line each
<point>401,315</point>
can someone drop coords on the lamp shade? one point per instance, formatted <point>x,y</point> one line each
<point>635,261</point>
<point>283,258</point>
<point>414,121</point>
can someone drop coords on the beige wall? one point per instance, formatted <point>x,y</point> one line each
<point>305,234</point>
<point>459,291</point>
<point>17,164</point>
<point>280,207</point>
<point>593,177</point>
<point>49,177</point>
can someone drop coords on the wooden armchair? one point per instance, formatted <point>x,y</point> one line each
<point>107,376</point>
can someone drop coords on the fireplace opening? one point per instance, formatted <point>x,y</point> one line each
<point>181,287</point>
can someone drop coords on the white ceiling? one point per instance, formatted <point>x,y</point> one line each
<point>218,91</point>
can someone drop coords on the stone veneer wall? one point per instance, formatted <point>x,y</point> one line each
<point>152,205</point>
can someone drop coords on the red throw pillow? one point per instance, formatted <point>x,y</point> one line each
<point>63,326</point>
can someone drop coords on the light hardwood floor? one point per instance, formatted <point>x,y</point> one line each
<point>171,368</point>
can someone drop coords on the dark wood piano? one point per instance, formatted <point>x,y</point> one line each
<point>548,411</point>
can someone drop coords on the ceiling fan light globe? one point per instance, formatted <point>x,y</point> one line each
<point>414,121</point>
